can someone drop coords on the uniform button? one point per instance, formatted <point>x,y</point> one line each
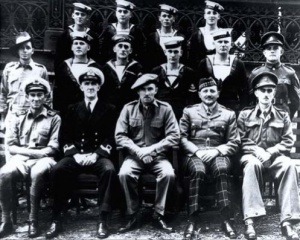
<point>82,134</point>
<point>256,213</point>
<point>81,150</point>
<point>246,215</point>
<point>96,140</point>
<point>208,129</point>
<point>273,69</point>
<point>96,133</point>
<point>95,145</point>
<point>82,140</point>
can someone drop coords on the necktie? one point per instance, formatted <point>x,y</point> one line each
<point>208,112</point>
<point>89,107</point>
<point>265,114</point>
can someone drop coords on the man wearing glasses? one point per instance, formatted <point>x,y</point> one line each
<point>267,138</point>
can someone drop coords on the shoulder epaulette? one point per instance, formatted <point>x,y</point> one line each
<point>21,112</point>
<point>39,65</point>
<point>132,102</point>
<point>288,67</point>
<point>10,64</point>
<point>163,103</point>
<point>222,106</point>
<point>51,113</point>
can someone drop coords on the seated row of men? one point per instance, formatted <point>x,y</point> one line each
<point>208,133</point>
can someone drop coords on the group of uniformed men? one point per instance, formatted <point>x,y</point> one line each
<point>99,112</point>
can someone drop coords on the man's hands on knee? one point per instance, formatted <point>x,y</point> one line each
<point>147,159</point>
<point>263,156</point>
<point>85,159</point>
<point>206,155</point>
<point>144,151</point>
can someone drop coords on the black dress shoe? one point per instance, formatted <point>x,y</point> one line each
<point>54,230</point>
<point>33,229</point>
<point>6,229</point>
<point>189,230</point>
<point>288,232</point>
<point>250,232</point>
<point>160,224</point>
<point>102,230</point>
<point>228,229</point>
<point>132,224</point>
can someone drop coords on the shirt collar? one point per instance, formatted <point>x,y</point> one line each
<point>30,64</point>
<point>259,112</point>
<point>271,65</point>
<point>93,102</point>
<point>43,112</point>
<point>154,103</point>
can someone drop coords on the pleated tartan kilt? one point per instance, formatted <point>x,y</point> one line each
<point>218,168</point>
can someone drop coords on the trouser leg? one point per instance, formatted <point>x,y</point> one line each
<point>165,179</point>
<point>8,175</point>
<point>285,174</point>
<point>63,176</point>
<point>252,201</point>
<point>37,174</point>
<point>196,171</point>
<point>129,175</point>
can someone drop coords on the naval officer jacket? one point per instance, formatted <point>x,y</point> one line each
<point>201,131</point>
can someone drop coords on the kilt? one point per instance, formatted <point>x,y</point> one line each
<point>196,170</point>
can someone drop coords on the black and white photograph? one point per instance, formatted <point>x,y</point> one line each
<point>150,119</point>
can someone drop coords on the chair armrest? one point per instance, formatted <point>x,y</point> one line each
<point>121,155</point>
<point>175,150</point>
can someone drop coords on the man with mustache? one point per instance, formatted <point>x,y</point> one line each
<point>267,139</point>
<point>209,139</point>
<point>147,129</point>
<point>87,140</point>
<point>288,89</point>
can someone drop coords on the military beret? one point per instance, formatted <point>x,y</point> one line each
<point>83,36</point>
<point>145,79</point>
<point>173,42</point>
<point>122,38</point>
<point>264,79</point>
<point>214,6</point>
<point>125,4</point>
<point>82,8</point>
<point>207,82</point>
<point>221,33</point>
<point>272,38</point>
<point>168,9</point>
<point>21,38</point>
<point>92,74</point>
<point>36,84</point>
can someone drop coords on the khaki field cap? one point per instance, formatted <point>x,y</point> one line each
<point>144,80</point>
<point>264,79</point>
<point>82,8</point>
<point>92,74</point>
<point>36,84</point>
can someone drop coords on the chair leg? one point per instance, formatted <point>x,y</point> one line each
<point>15,203</point>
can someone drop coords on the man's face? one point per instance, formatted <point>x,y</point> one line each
<point>209,95</point>
<point>25,51</point>
<point>265,95</point>
<point>273,53</point>
<point>122,50</point>
<point>80,18</point>
<point>123,15</point>
<point>80,47</point>
<point>166,20</point>
<point>223,45</point>
<point>36,99</point>
<point>90,89</point>
<point>173,54</point>
<point>211,17</point>
<point>147,93</point>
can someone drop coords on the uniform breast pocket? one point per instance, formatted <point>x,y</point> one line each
<point>156,128</point>
<point>275,131</point>
<point>195,127</point>
<point>13,83</point>
<point>43,137</point>
<point>135,128</point>
<point>252,129</point>
<point>219,127</point>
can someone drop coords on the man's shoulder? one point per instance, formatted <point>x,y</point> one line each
<point>11,64</point>
<point>164,104</point>
<point>287,68</point>
<point>38,65</point>
<point>21,113</point>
